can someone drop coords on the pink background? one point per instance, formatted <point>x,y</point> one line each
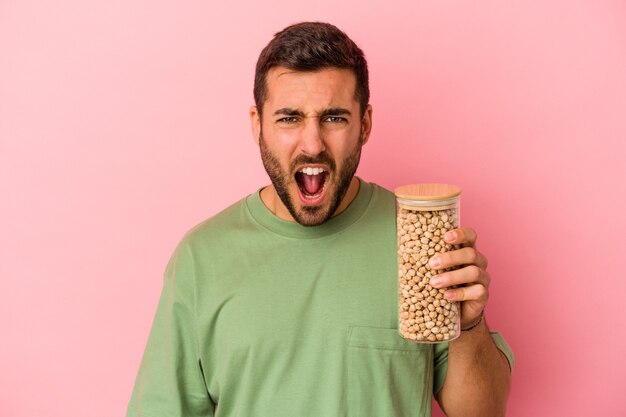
<point>124,123</point>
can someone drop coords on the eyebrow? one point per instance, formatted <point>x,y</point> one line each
<point>336,111</point>
<point>286,111</point>
<point>333,111</point>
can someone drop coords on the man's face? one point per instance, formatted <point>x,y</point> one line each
<point>310,137</point>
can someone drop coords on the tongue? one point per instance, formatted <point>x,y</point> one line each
<point>312,183</point>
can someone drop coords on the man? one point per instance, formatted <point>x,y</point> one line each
<point>285,303</point>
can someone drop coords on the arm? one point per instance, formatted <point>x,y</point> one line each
<point>170,381</point>
<point>478,377</point>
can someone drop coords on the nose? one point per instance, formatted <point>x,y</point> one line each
<point>312,141</point>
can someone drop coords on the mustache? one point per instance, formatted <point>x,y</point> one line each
<point>322,158</point>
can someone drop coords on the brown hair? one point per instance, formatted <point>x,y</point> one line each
<point>312,46</point>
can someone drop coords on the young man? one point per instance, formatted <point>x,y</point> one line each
<point>285,303</point>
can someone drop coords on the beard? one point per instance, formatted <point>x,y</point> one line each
<point>311,215</point>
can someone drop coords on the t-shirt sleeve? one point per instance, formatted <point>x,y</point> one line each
<point>170,381</point>
<point>441,359</point>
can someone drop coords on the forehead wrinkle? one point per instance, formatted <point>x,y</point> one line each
<point>328,109</point>
<point>287,71</point>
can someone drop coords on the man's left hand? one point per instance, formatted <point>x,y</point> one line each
<point>472,278</point>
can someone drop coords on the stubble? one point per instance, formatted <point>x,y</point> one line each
<point>310,215</point>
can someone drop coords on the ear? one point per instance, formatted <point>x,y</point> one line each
<point>366,124</point>
<point>255,123</point>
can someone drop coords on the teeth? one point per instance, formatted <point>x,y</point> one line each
<point>311,171</point>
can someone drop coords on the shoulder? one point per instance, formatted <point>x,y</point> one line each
<point>382,192</point>
<point>218,226</point>
<point>382,198</point>
<point>210,236</point>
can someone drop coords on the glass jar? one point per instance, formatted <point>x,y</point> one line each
<point>425,212</point>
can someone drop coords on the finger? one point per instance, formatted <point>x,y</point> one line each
<point>463,256</point>
<point>461,236</point>
<point>471,274</point>
<point>476,292</point>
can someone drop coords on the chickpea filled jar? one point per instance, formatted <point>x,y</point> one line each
<point>425,212</point>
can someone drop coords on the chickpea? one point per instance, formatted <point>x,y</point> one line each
<point>425,316</point>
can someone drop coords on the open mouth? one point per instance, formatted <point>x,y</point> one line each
<point>312,184</point>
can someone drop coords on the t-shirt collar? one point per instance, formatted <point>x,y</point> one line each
<point>269,220</point>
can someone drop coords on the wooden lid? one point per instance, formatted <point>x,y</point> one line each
<point>427,192</point>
